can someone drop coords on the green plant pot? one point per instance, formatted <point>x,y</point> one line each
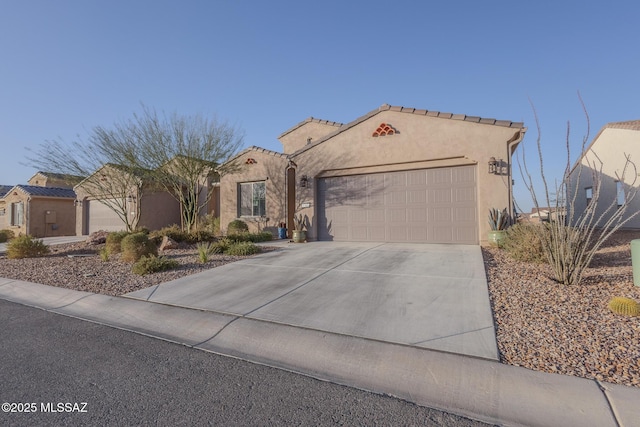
<point>496,237</point>
<point>299,236</point>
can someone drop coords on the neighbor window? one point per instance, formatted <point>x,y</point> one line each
<point>588,192</point>
<point>251,199</point>
<point>16,214</point>
<point>620,193</point>
<point>2,211</point>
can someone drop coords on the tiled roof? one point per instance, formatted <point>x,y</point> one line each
<point>34,190</point>
<point>4,189</point>
<point>309,120</point>
<point>255,149</point>
<point>631,125</point>
<point>59,176</point>
<point>430,113</point>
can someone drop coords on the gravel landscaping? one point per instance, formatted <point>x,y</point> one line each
<point>540,324</point>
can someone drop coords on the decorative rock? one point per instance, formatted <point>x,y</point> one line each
<point>168,243</point>
<point>97,238</point>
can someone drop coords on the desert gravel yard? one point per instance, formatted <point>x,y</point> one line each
<point>540,324</point>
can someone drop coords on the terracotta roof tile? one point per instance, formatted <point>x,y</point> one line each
<point>387,107</point>
<point>631,125</point>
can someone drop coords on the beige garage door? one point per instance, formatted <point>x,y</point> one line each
<point>101,217</point>
<point>427,205</point>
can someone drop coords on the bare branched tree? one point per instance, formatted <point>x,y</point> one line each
<point>183,153</point>
<point>175,153</point>
<point>573,235</point>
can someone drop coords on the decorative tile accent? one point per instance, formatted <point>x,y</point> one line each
<point>384,129</point>
<point>250,161</point>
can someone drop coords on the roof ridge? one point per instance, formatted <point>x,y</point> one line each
<point>309,120</point>
<point>628,124</point>
<point>430,113</point>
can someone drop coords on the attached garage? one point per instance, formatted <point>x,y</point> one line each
<point>101,217</point>
<point>436,205</point>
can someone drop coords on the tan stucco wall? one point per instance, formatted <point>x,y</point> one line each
<point>44,180</point>
<point>35,208</point>
<point>3,218</point>
<point>269,168</point>
<point>608,151</point>
<point>297,138</point>
<point>159,210</point>
<point>421,141</point>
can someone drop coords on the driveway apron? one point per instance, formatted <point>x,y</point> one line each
<point>422,295</point>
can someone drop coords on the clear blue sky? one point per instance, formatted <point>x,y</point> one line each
<point>266,65</point>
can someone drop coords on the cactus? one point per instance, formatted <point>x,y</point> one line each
<point>624,306</point>
<point>498,219</point>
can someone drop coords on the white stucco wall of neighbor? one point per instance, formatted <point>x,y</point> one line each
<point>606,157</point>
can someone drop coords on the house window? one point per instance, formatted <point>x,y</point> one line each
<point>16,215</point>
<point>2,211</point>
<point>620,193</point>
<point>252,199</point>
<point>588,192</point>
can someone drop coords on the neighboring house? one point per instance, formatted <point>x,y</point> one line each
<point>606,157</point>
<point>395,174</point>
<point>39,211</point>
<point>56,180</point>
<point>113,194</point>
<point>544,214</point>
<point>4,189</point>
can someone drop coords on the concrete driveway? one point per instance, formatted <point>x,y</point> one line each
<point>430,296</point>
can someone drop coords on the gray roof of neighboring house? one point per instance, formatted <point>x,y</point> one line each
<point>34,190</point>
<point>4,189</point>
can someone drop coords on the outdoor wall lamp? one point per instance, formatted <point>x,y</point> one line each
<point>77,203</point>
<point>131,199</point>
<point>304,181</point>
<point>493,165</point>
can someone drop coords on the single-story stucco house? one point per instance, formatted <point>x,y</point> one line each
<point>39,211</point>
<point>395,174</point>
<point>114,195</point>
<point>44,207</point>
<point>605,159</point>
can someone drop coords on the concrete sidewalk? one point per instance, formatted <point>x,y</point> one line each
<point>369,316</point>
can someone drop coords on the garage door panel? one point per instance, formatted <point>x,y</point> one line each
<point>102,217</point>
<point>427,205</point>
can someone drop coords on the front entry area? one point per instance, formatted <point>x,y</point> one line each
<point>437,205</point>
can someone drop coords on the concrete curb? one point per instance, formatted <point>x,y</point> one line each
<point>477,388</point>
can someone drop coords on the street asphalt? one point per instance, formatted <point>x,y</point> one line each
<point>412,321</point>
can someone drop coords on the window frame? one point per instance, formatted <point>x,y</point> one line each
<point>255,200</point>
<point>620,193</point>
<point>588,193</point>
<point>16,214</point>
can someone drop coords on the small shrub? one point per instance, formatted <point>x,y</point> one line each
<point>6,235</point>
<point>242,248</point>
<point>522,242</point>
<point>137,245</point>
<point>263,236</point>
<point>211,224</point>
<point>104,254</point>
<point>237,226</point>
<point>624,306</point>
<point>173,232</point>
<point>153,264</point>
<point>114,242</point>
<point>26,247</point>
<point>199,236</point>
<point>205,250</point>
